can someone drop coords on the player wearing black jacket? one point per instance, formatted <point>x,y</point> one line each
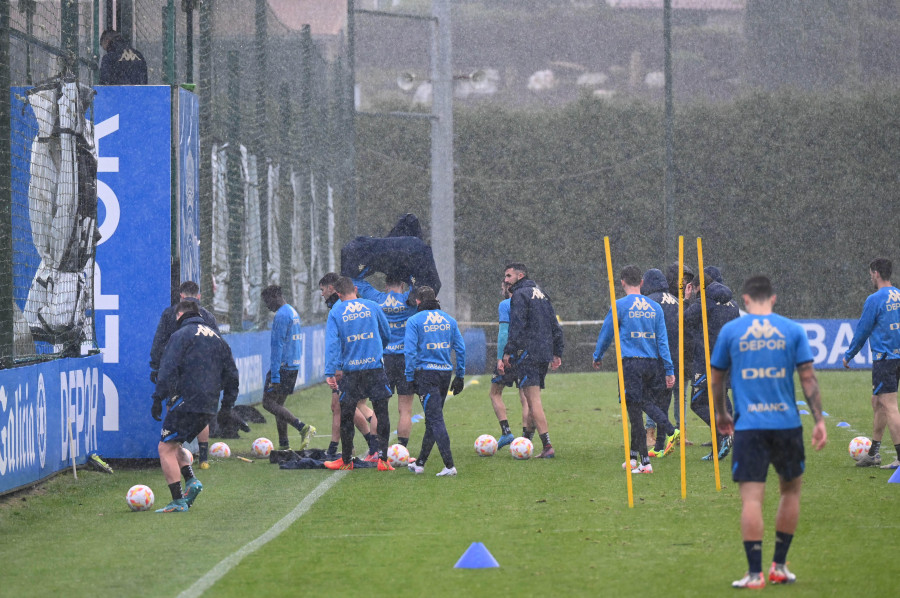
<point>535,342</point>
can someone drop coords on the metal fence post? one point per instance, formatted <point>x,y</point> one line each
<point>235,194</point>
<point>6,275</point>
<point>205,129</point>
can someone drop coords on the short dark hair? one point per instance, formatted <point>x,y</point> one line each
<point>344,286</point>
<point>185,307</point>
<point>758,288</point>
<point>329,280</point>
<point>631,275</point>
<point>271,292</point>
<point>392,279</point>
<point>425,293</point>
<point>109,35</point>
<point>189,288</point>
<point>883,266</point>
<point>518,267</point>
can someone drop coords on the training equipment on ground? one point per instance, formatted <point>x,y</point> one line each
<point>139,498</point>
<point>220,450</point>
<point>486,445</point>
<point>859,446</point>
<point>398,455</point>
<point>262,447</point>
<point>188,456</point>
<point>521,448</point>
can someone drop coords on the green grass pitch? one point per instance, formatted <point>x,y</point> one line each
<point>558,527</point>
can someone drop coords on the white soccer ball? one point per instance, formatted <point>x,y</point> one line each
<point>521,448</point>
<point>140,498</point>
<point>398,455</point>
<point>859,446</point>
<point>221,450</point>
<point>262,447</point>
<point>485,445</point>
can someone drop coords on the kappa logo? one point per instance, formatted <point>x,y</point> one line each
<point>669,299</point>
<point>537,294</point>
<point>434,318</point>
<point>129,56</point>
<point>761,336</point>
<point>893,296</point>
<point>205,331</point>
<point>391,301</point>
<point>640,303</point>
<point>354,307</point>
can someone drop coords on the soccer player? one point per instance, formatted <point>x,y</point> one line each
<point>506,379</point>
<point>188,291</point>
<point>655,286</point>
<point>430,336</point>
<point>535,342</point>
<point>393,302</point>
<point>762,349</point>
<point>355,336</point>
<point>646,364</point>
<point>363,416</point>
<point>720,309</point>
<point>196,366</point>
<point>880,324</point>
<point>287,349</point>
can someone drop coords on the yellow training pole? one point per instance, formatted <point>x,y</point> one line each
<point>712,409</point>
<point>679,389</point>
<point>615,323</point>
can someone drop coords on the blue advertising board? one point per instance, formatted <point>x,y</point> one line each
<point>830,339</point>
<point>36,404</point>
<point>133,130</point>
<point>188,185</point>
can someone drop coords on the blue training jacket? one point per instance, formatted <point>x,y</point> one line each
<point>287,342</point>
<point>880,324</point>
<point>395,309</point>
<point>430,336</point>
<point>642,330</point>
<point>355,336</point>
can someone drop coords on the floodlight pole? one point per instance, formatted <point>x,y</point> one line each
<point>443,234</point>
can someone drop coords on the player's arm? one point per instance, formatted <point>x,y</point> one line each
<point>863,329</point>
<point>814,400</point>
<point>410,348</point>
<point>279,332</point>
<point>459,347</point>
<point>367,291</point>
<point>332,350</point>
<point>559,342</point>
<point>724,421</point>
<point>662,344</point>
<point>384,328</point>
<point>230,379</point>
<point>163,331</point>
<point>515,341</point>
<point>603,339</point>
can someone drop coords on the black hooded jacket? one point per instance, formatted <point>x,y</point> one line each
<point>533,328</point>
<point>720,309</point>
<point>122,65</point>
<point>655,286</point>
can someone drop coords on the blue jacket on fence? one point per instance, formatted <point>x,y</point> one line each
<point>430,336</point>
<point>355,335</point>
<point>196,366</point>
<point>533,328</point>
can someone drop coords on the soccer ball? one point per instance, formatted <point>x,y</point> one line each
<point>521,448</point>
<point>262,447</point>
<point>398,455</point>
<point>139,498</point>
<point>485,445</point>
<point>220,449</point>
<point>859,446</point>
<point>188,455</point>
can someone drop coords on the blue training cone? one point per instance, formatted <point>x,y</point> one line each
<point>843,425</point>
<point>895,479</point>
<point>476,556</point>
<point>804,412</point>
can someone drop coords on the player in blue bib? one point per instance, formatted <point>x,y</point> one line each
<point>761,350</point>
<point>880,324</point>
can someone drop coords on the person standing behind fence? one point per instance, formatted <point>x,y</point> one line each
<point>196,366</point>
<point>535,342</point>
<point>168,324</point>
<point>762,349</point>
<point>122,64</point>
<point>880,325</point>
<point>430,336</point>
<point>286,353</point>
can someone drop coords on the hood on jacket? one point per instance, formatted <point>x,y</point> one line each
<point>654,281</point>
<point>672,277</point>
<point>712,274</point>
<point>718,292</point>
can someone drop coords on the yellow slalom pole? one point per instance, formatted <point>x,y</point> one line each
<point>679,389</point>
<point>712,409</point>
<point>615,323</point>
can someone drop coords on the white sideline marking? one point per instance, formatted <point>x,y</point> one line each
<point>232,560</point>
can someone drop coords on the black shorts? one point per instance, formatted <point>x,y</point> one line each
<point>531,373</point>
<point>395,370</point>
<point>183,426</point>
<point>884,376</point>
<point>365,384</point>
<point>508,378</point>
<point>755,450</point>
<point>286,383</point>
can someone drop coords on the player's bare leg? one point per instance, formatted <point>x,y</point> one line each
<point>404,406</point>
<point>536,409</point>
<point>496,395</point>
